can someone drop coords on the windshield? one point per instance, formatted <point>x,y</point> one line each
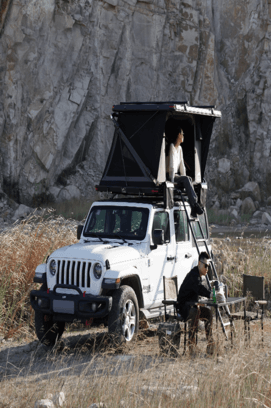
<point>117,222</point>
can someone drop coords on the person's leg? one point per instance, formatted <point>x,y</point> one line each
<point>192,196</point>
<point>193,320</point>
<point>207,316</point>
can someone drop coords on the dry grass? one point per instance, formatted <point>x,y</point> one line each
<point>237,256</point>
<point>94,372</point>
<point>23,247</point>
<point>238,377</point>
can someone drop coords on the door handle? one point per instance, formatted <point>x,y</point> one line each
<point>170,258</point>
<point>188,255</point>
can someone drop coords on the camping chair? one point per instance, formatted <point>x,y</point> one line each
<point>170,299</point>
<point>254,286</point>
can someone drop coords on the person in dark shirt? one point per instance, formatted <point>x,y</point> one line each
<point>191,288</point>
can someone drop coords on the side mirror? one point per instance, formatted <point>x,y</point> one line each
<point>158,237</point>
<point>79,231</point>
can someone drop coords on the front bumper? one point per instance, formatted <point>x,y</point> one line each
<point>68,307</point>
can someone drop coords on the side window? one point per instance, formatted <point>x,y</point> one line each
<point>181,228</point>
<point>161,221</point>
<point>203,224</point>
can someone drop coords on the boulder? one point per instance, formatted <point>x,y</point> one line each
<point>248,206</point>
<point>22,212</point>
<point>238,203</point>
<point>256,218</point>
<point>54,193</point>
<point>59,399</point>
<point>234,214</point>
<point>266,219</point>
<point>250,189</point>
<point>224,165</point>
<point>44,403</point>
<point>216,206</point>
<point>68,193</point>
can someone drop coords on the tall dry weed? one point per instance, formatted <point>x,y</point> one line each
<point>24,246</point>
<point>237,256</point>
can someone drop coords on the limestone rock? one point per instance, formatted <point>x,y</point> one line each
<point>59,399</point>
<point>266,218</point>
<point>69,193</point>
<point>256,218</point>
<point>44,403</point>
<point>252,190</point>
<point>65,63</point>
<point>22,212</point>
<point>238,203</point>
<point>215,206</point>
<point>248,206</point>
<point>224,165</point>
<point>234,214</point>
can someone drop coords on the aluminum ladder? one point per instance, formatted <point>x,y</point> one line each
<point>196,221</point>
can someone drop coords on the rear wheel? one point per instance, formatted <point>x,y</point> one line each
<point>124,316</point>
<point>48,331</point>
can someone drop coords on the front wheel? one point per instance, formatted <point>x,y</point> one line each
<point>124,316</point>
<point>48,331</point>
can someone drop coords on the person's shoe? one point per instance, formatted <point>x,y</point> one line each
<point>198,209</point>
<point>193,213</point>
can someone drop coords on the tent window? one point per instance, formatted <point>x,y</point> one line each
<point>188,145</point>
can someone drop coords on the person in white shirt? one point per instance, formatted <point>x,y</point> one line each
<point>177,172</point>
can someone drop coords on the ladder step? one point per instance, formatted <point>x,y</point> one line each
<point>226,324</point>
<point>201,240</point>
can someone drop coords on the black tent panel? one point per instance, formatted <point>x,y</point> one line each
<point>204,128</point>
<point>145,132</point>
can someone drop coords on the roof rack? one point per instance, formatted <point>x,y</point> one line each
<point>155,103</point>
<point>178,107</point>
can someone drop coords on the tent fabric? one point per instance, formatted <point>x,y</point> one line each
<point>204,128</point>
<point>144,130</point>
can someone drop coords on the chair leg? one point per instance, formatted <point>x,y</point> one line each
<point>262,324</point>
<point>185,332</point>
<point>231,325</point>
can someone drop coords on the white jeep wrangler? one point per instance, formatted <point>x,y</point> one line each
<point>114,274</point>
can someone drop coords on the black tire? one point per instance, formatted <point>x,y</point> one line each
<point>124,316</point>
<point>48,331</point>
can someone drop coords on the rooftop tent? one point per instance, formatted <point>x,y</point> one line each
<point>137,159</point>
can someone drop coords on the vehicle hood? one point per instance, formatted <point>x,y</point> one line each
<point>114,252</point>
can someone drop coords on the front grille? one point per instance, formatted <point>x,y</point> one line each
<point>73,273</point>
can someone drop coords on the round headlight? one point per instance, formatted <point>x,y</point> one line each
<point>97,270</point>
<point>52,267</point>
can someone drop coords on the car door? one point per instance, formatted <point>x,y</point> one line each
<point>161,260</point>
<point>185,256</point>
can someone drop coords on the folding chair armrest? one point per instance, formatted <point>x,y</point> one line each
<point>169,302</point>
<point>261,302</point>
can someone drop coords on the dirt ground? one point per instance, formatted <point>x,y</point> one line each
<point>73,354</point>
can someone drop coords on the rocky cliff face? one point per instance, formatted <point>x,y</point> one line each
<point>65,62</point>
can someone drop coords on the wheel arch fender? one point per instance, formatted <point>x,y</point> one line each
<point>134,282</point>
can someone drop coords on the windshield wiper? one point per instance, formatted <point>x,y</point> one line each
<point>120,237</point>
<point>98,236</point>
